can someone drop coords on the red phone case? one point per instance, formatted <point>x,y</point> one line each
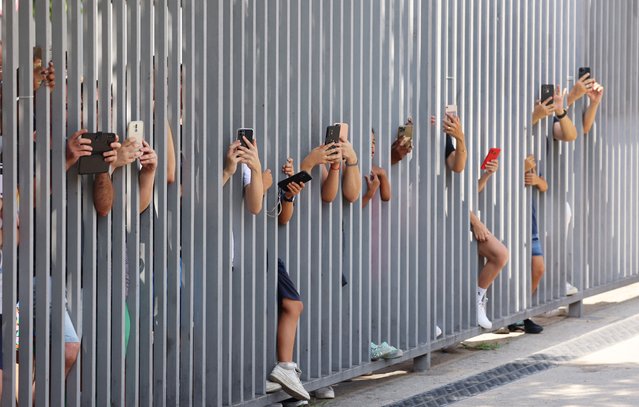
<point>493,154</point>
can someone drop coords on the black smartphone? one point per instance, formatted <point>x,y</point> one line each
<point>584,70</point>
<point>94,164</point>
<point>245,132</point>
<point>301,176</point>
<point>547,91</point>
<point>332,134</point>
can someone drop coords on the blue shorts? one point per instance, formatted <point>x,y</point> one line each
<point>536,247</point>
<point>285,287</point>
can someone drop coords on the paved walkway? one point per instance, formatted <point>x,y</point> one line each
<point>591,361</point>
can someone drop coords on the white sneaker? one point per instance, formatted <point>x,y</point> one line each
<point>438,331</point>
<point>571,289</point>
<point>272,387</point>
<point>482,319</point>
<point>290,381</point>
<point>325,393</point>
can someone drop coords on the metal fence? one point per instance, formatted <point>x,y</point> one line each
<point>203,329</point>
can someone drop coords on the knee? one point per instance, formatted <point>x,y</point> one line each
<point>502,256</point>
<point>71,350</point>
<point>292,307</point>
<point>538,269</point>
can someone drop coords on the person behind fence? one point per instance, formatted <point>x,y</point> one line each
<point>286,374</point>
<point>537,267</point>
<point>378,179</point>
<point>493,253</point>
<point>555,105</point>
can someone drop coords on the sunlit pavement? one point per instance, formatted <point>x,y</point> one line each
<point>603,371</point>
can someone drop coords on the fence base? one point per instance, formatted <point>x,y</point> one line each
<point>421,363</point>
<point>575,310</point>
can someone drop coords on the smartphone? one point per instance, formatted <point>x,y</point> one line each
<point>301,176</point>
<point>245,132</point>
<point>37,62</point>
<point>136,131</point>
<point>493,154</point>
<point>547,91</point>
<point>451,109</point>
<point>405,132</point>
<point>332,134</point>
<point>94,164</point>
<point>584,70</point>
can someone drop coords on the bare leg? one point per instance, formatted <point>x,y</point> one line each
<point>286,327</point>
<point>496,255</point>
<point>538,270</point>
<point>71,350</point>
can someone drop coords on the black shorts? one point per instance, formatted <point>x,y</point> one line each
<point>285,287</point>
<point>1,361</point>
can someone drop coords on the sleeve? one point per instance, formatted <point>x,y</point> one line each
<point>246,175</point>
<point>450,147</point>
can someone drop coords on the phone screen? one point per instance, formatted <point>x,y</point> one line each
<point>245,132</point>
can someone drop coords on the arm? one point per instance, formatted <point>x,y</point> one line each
<point>480,231</point>
<point>230,165</point>
<point>565,130</point>
<point>102,194</point>
<point>77,147</point>
<point>542,110</point>
<point>595,95</point>
<point>385,192</point>
<point>330,182</point>
<point>531,179</point>
<point>146,178</point>
<point>254,191</point>
<point>372,183</point>
<point>456,161</point>
<point>351,179</point>
<point>170,164</point>
<point>491,168</point>
<point>288,206</point>
<point>582,86</point>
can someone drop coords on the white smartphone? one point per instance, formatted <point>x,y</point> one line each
<point>136,131</point>
<point>451,109</point>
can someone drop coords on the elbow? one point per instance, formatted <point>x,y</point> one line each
<point>351,197</point>
<point>328,196</point>
<point>283,220</point>
<point>255,209</point>
<point>385,198</point>
<point>102,210</point>
<point>170,177</point>
<point>587,127</point>
<point>459,167</point>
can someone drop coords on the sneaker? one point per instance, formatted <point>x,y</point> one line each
<point>482,319</point>
<point>272,387</point>
<point>532,328</point>
<point>516,327</point>
<point>375,352</point>
<point>325,393</point>
<point>503,330</point>
<point>571,289</point>
<point>294,403</point>
<point>290,381</point>
<point>390,352</point>
<point>438,331</point>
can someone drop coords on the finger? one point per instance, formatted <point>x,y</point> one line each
<point>585,76</point>
<point>85,147</point>
<point>84,154</point>
<point>115,145</point>
<point>548,101</point>
<point>109,154</point>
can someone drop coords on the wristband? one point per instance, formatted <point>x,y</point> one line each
<point>335,169</point>
<point>285,199</point>
<point>561,116</point>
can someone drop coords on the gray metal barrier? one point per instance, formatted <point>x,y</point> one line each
<point>202,296</point>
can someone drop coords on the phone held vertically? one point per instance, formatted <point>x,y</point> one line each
<point>547,91</point>
<point>301,176</point>
<point>493,154</point>
<point>95,164</point>
<point>136,131</point>
<point>245,132</point>
<point>584,70</point>
<point>332,134</point>
<point>451,109</point>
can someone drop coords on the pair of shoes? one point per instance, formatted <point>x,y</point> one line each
<point>324,393</point>
<point>384,351</point>
<point>482,319</point>
<point>532,328</point>
<point>289,379</point>
<point>438,331</point>
<point>272,387</point>
<point>571,289</point>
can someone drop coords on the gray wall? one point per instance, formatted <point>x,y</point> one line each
<point>202,329</point>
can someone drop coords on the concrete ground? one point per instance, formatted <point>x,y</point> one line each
<point>595,363</point>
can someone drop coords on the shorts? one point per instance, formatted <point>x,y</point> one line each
<point>536,247</point>
<point>285,287</point>
<point>1,362</point>
<point>70,334</point>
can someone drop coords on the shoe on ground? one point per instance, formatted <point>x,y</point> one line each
<point>482,319</point>
<point>438,331</point>
<point>290,381</point>
<point>532,328</point>
<point>503,330</point>
<point>325,393</point>
<point>390,352</point>
<point>516,327</point>
<point>571,289</point>
<point>294,403</point>
<point>272,387</point>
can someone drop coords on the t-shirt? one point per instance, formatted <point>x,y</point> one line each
<point>535,230</point>
<point>246,180</point>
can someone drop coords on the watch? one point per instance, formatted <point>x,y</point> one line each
<point>285,199</point>
<point>561,116</point>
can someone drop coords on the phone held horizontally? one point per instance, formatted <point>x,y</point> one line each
<point>493,154</point>
<point>301,176</point>
<point>95,164</point>
<point>245,132</point>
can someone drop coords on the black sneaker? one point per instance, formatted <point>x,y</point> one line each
<point>516,327</point>
<point>532,328</point>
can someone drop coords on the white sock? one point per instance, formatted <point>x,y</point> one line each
<point>288,365</point>
<point>481,292</point>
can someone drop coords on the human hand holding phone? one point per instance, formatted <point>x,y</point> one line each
<point>249,155</point>
<point>148,157</point>
<point>232,158</point>
<point>77,147</point>
<point>129,152</point>
<point>596,93</point>
<point>452,126</point>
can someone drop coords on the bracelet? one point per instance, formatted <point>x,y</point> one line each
<point>335,169</point>
<point>352,165</point>
<point>285,199</point>
<point>561,116</point>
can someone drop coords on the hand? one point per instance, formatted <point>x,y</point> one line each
<point>529,163</point>
<point>148,159</point>
<point>325,154</point>
<point>595,93</point>
<point>452,125</point>
<point>372,183</point>
<point>77,147</point>
<point>129,152</point>
<point>232,158</point>
<point>400,148</point>
<point>480,231</point>
<point>267,179</point>
<point>433,120</point>
<point>542,110</point>
<point>294,189</point>
<point>582,86</point>
<point>558,100</point>
<point>531,179</point>
<point>491,167</point>
<point>348,153</point>
<point>50,76</point>
<point>378,171</point>
<point>110,156</point>
<point>249,155</point>
<point>41,75</point>
<point>288,169</point>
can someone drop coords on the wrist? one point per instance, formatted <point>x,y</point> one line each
<point>335,166</point>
